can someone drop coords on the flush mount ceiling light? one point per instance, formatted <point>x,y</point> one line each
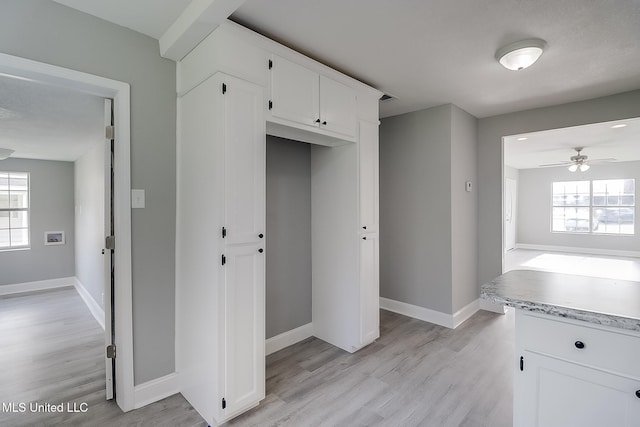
<point>520,55</point>
<point>5,153</point>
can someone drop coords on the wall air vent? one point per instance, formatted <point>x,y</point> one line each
<point>387,97</point>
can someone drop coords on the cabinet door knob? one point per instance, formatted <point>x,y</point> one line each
<point>261,235</point>
<point>638,394</point>
<point>260,250</point>
<point>317,121</point>
<point>364,227</point>
<point>579,344</point>
<point>324,123</point>
<point>364,238</point>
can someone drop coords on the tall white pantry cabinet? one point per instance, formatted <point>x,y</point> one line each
<point>234,88</point>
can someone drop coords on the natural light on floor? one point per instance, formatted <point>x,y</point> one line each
<point>583,265</point>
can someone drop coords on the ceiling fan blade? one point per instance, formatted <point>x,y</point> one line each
<point>551,165</point>
<point>602,160</point>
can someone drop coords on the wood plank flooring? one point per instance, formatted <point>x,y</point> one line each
<point>51,351</point>
<point>416,374</point>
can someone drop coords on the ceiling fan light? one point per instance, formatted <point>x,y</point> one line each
<point>573,168</point>
<point>520,55</point>
<point>584,167</point>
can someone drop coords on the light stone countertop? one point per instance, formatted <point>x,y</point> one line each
<point>607,302</point>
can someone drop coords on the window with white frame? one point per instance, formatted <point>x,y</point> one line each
<point>597,207</point>
<point>14,210</point>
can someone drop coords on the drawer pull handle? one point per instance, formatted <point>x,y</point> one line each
<point>579,344</point>
<point>638,394</point>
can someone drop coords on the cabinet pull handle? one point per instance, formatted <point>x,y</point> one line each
<point>324,123</point>
<point>261,235</point>
<point>260,250</point>
<point>317,121</point>
<point>364,238</point>
<point>579,345</point>
<point>364,227</point>
<point>638,394</point>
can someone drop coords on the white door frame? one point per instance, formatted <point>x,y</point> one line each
<point>120,93</point>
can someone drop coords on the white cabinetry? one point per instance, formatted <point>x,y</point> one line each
<point>571,373</point>
<point>220,274</point>
<point>369,289</point>
<point>220,221</point>
<point>368,177</point>
<point>306,98</point>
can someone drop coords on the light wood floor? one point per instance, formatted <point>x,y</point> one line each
<point>416,374</point>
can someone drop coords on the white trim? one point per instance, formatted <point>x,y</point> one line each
<point>92,305</point>
<point>590,251</point>
<point>288,338</point>
<point>417,312</point>
<point>120,92</point>
<point>155,390</point>
<point>39,285</point>
<point>465,313</point>
<point>487,305</point>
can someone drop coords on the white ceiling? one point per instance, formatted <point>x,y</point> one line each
<point>150,17</point>
<point>600,141</point>
<point>429,53</point>
<point>40,121</point>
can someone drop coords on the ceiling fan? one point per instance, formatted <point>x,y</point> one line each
<point>579,161</point>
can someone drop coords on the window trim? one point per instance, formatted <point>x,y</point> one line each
<point>27,210</point>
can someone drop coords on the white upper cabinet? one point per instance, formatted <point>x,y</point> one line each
<point>337,107</point>
<point>368,177</point>
<point>294,92</point>
<point>310,100</point>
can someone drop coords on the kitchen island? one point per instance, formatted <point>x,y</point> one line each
<point>577,349</point>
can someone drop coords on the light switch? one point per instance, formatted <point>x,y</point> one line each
<point>468,186</point>
<point>137,199</point>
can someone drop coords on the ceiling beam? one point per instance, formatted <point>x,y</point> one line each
<point>196,22</point>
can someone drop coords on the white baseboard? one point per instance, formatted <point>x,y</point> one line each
<point>288,338</point>
<point>39,285</point>
<point>155,390</point>
<point>589,251</point>
<point>417,312</point>
<point>94,307</point>
<point>465,312</point>
<point>490,306</point>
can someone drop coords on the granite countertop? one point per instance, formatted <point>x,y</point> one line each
<point>608,302</point>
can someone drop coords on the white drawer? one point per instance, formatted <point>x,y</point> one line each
<point>610,349</point>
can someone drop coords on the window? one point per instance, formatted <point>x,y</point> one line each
<point>598,207</point>
<point>14,210</point>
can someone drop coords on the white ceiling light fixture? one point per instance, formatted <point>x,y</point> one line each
<point>5,153</point>
<point>520,55</point>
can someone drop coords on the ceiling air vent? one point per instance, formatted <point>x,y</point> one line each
<point>387,97</point>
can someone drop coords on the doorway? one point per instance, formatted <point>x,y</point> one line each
<point>122,299</point>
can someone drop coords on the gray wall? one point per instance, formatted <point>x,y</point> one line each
<point>288,282</point>
<point>415,208</point>
<point>51,198</point>
<point>49,32</point>
<point>534,216</point>
<point>464,209</point>
<point>490,133</point>
<point>90,231</point>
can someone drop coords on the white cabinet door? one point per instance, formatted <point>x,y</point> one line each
<point>369,289</point>
<point>245,159</point>
<point>554,393</point>
<point>338,109</point>
<point>244,328</point>
<point>368,175</point>
<point>294,92</point>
